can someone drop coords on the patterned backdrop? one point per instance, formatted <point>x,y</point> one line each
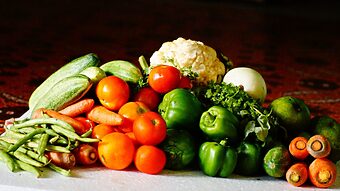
<point>295,47</point>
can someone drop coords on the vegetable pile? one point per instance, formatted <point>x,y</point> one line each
<point>176,115</point>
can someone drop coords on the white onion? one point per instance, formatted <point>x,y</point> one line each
<point>251,80</point>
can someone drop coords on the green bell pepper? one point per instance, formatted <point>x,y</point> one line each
<point>180,149</point>
<point>249,160</point>
<point>180,109</point>
<point>219,123</point>
<point>215,159</point>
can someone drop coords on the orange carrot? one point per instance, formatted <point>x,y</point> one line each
<point>298,148</point>
<point>101,114</point>
<point>297,174</point>
<point>318,146</point>
<point>77,125</point>
<point>322,173</point>
<point>80,107</point>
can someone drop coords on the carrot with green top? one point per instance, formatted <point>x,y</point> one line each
<point>100,114</point>
<point>298,148</point>
<point>318,146</point>
<point>322,172</point>
<point>297,174</point>
<point>80,107</point>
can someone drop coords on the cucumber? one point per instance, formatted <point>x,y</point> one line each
<point>74,67</point>
<point>123,69</point>
<point>94,73</point>
<point>65,92</point>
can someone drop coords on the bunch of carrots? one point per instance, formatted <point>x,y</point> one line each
<point>321,172</point>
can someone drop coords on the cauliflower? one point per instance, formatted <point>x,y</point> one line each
<point>193,56</point>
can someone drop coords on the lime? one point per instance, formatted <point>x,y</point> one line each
<point>292,113</point>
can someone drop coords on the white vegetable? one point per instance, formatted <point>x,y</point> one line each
<point>251,80</point>
<point>190,55</point>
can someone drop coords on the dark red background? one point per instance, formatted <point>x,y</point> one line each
<point>295,45</point>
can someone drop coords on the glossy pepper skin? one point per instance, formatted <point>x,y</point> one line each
<point>180,149</point>
<point>180,109</point>
<point>249,160</point>
<point>219,123</point>
<point>216,159</point>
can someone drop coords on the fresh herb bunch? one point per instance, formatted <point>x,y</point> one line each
<point>254,117</point>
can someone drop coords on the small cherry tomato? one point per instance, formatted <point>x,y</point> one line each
<point>185,83</point>
<point>149,128</point>
<point>88,124</point>
<point>112,92</point>
<point>131,111</point>
<point>116,151</point>
<point>100,130</point>
<point>150,159</point>
<point>164,78</point>
<point>148,96</point>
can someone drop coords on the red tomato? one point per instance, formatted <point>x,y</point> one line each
<point>112,92</point>
<point>150,159</point>
<point>148,96</point>
<point>185,83</point>
<point>149,128</point>
<point>88,124</point>
<point>164,78</point>
<point>116,151</point>
<point>131,111</point>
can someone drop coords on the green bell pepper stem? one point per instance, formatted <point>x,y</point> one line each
<point>219,123</point>
<point>216,159</point>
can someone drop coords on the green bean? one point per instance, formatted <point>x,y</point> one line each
<point>51,132</point>
<point>25,158</point>
<point>49,147</point>
<point>27,167</point>
<point>26,129</point>
<point>5,157</point>
<point>60,170</point>
<point>25,139</point>
<point>10,133</point>
<point>87,133</point>
<point>40,121</point>
<point>72,135</point>
<point>42,144</point>
<point>54,139</point>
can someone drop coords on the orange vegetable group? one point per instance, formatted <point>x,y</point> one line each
<point>116,151</point>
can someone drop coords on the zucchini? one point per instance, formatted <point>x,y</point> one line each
<point>123,69</point>
<point>65,92</point>
<point>74,67</point>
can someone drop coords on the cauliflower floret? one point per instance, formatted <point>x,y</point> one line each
<point>190,55</point>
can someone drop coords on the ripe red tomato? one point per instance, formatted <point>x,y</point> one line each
<point>112,92</point>
<point>116,151</point>
<point>149,128</point>
<point>150,159</point>
<point>164,78</point>
<point>149,97</point>
<point>131,111</point>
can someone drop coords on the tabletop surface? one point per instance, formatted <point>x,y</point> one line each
<point>294,45</point>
